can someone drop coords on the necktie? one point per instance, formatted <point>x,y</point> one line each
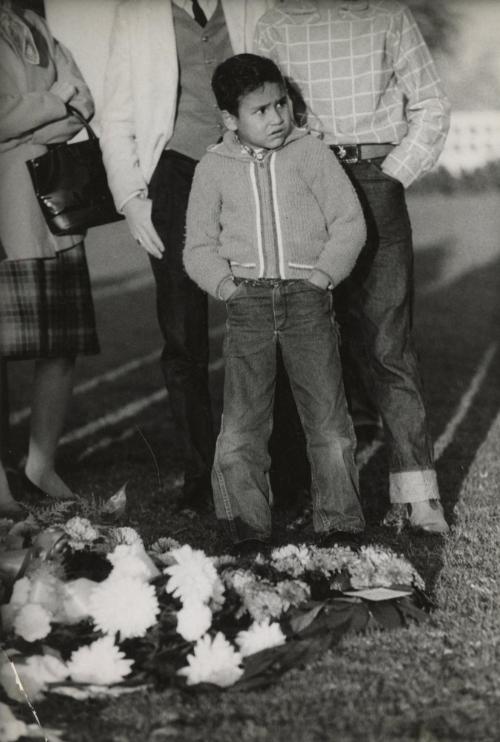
<point>198,13</point>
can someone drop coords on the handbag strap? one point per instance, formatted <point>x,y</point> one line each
<point>75,112</point>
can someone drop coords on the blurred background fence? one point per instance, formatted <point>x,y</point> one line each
<point>473,141</point>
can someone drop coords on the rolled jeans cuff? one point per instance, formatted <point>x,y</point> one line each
<point>413,486</point>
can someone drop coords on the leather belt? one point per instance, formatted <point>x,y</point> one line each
<point>352,153</point>
<point>265,282</point>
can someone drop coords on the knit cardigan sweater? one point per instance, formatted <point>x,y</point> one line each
<point>282,216</point>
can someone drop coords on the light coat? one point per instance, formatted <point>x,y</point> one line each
<point>31,117</point>
<point>141,86</point>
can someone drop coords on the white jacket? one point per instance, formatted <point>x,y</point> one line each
<point>140,89</point>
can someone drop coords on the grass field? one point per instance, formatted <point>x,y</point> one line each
<point>437,682</point>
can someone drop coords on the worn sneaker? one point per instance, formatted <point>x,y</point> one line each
<point>426,516</point>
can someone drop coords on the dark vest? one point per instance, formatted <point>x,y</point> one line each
<point>199,50</point>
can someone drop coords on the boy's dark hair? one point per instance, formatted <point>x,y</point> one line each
<point>239,75</point>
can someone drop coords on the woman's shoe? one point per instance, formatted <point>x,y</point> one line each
<point>12,510</point>
<point>33,489</point>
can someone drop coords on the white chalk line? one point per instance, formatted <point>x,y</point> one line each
<point>134,408</point>
<point>448,434</point>
<point>108,377</point>
<point>462,409</point>
<point>120,415</point>
<point>440,446</point>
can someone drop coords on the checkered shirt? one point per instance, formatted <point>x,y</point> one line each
<point>366,75</point>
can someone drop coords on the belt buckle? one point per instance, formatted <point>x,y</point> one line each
<point>343,153</point>
<point>357,156</point>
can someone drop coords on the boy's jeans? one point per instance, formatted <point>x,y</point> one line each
<point>298,316</point>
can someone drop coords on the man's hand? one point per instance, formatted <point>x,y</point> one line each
<point>138,215</point>
<point>64,90</point>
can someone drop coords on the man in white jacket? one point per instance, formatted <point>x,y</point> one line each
<point>159,116</point>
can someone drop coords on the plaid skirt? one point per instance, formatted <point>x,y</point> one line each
<point>46,308</point>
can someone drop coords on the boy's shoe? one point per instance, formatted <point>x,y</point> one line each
<point>340,538</point>
<point>250,547</point>
<point>426,516</point>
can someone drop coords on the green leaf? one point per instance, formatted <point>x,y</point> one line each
<point>301,618</point>
<point>386,614</point>
<point>263,668</point>
<point>409,610</point>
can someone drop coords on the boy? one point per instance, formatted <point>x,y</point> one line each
<point>273,225</point>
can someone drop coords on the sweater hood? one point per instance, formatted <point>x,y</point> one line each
<point>231,146</point>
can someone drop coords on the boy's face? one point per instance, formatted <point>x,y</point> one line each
<point>263,119</point>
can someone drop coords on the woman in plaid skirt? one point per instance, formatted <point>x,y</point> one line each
<point>46,310</point>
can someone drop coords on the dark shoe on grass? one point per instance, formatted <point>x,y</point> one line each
<point>249,547</point>
<point>13,510</point>
<point>195,497</point>
<point>340,538</point>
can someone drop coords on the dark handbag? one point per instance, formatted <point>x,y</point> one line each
<point>71,185</point>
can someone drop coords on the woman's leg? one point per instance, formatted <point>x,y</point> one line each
<point>52,389</point>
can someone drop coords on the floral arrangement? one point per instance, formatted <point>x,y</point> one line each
<point>89,611</point>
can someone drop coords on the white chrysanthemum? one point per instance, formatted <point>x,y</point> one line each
<point>11,729</point>
<point>376,567</point>
<point>32,622</point>
<point>125,535</point>
<point>213,661</point>
<point>129,606</point>
<point>293,592</point>
<point>218,598</point>
<point>17,679</point>
<point>80,532</point>
<point>193,577</point>
<point>193,620</point>
<point>76,599</point>
<point>262,601</point>
<point>238,579</point>
<point>20,593</point>
<point>331,561</point>
<point>46,590</point>
<point>46,668</point>
<point>294,560</point>
<point>164,545</point>
<point>131,560</point>
<point>100,663</point>
<point>260,636</point>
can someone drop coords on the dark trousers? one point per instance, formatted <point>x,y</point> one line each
<point>183,317</point>
<point>297,317</point>
<point>374,306</point>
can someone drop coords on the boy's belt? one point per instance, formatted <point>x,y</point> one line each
<point>352,153</point>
